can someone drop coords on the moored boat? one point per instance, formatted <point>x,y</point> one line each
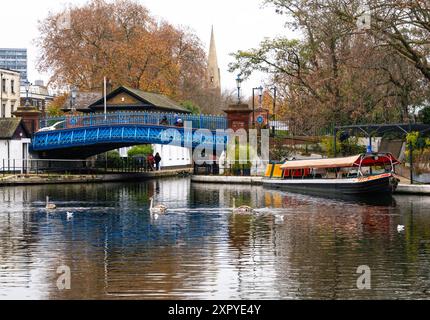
<point>363,174</point>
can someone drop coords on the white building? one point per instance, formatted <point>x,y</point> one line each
<point>38,96</point>
<point>9,92</point>
<point>14,143</point>
<point>171,156</point>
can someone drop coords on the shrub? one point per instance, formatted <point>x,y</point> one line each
<point>191,107</point>
<point>349,147</point>
<point>425,115</point>
<point>140,151</point>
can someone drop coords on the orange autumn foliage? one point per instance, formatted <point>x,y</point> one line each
<point>122,41</point>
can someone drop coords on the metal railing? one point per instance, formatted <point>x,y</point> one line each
<point>102,166</point>
<point>231,168</point>
<point>210,122</point>
<point>282,129</point>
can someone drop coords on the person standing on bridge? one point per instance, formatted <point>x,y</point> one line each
<point>164,121</point>
<point>157,161</point>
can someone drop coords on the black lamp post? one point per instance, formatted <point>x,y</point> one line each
<point>27,89</point>
<point>239,86</point>
<point>260,94</point>
<point>73,99</point>
<point>1,95</point>
<point>275,91</point>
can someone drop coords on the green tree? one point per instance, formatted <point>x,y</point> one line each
<point>191,106</point>
<point>140,151</point>
<point>349,147</point>
<point>113,158</point>
<point>425,115</point>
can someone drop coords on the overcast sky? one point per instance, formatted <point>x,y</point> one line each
<point>238,24</point>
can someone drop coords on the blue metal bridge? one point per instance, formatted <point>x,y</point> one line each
<point>87,135</point>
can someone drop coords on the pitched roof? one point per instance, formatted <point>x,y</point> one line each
<point>157,100</point>
<point>8,127</point>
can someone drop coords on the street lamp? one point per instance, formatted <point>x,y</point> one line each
<point>73,96</point>
<point>27,89</point>
<point>260,94</point>
<point>1,95</point>
<point>239,86</point>
<point>275,91</point>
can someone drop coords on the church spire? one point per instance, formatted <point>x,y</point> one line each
<point>214,76</point>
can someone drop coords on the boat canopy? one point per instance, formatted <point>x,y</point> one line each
<point>367,160</point>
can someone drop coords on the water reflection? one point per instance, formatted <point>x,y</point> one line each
<point>295,247</point>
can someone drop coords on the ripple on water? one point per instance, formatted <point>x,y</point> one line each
<point>294,246</point>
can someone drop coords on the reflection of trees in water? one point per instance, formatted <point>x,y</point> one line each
<point>112,244</point>
<point>320,248</point>
<point>221,196</point>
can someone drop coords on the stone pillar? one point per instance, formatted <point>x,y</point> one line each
<point>30,116</point>
<point>238,116</point>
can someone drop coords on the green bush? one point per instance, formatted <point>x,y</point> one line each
<point>140,151</point>
<point>425,115</point>
<point>191,107</point>
<point>349,147</point>
<point>113,158</point>
<point>237,161</point>
<point>279,150</point>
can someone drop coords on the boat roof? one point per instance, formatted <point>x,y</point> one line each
<point>364,160</point>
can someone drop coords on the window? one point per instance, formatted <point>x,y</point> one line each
<point>3,110</point>
<point>3,85</point>
<point>12,86</point>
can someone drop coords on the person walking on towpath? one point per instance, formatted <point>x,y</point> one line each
<point>151,161</point>
<point>157,161</point>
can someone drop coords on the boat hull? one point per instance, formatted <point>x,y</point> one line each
<point>383,184</point>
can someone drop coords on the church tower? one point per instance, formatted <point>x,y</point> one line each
<point>213,72</point>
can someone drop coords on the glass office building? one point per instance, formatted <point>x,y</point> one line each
<point>14,59</point>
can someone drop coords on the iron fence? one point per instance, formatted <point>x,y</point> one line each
<point>103,166</point>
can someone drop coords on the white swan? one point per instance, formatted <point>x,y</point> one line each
<point>159,209</point>
<point>241,209</point>
<point>50,206</point>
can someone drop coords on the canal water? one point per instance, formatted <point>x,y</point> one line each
<point>295,247</point>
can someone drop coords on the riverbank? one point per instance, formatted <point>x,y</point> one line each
<point>227,180</point>
<point>413,189</point>
<point>402,188</point>
<point>33,179</point>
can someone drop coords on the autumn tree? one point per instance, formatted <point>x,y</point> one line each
<point>121,40</point>
<point>404,26</point>
<point>335,73</point>
<point>54,108</point>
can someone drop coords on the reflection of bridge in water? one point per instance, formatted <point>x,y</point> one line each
<point>93,134</point>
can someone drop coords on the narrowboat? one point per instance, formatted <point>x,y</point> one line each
<point>363,174</point>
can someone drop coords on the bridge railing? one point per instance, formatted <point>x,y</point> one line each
<point>210,122</point>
